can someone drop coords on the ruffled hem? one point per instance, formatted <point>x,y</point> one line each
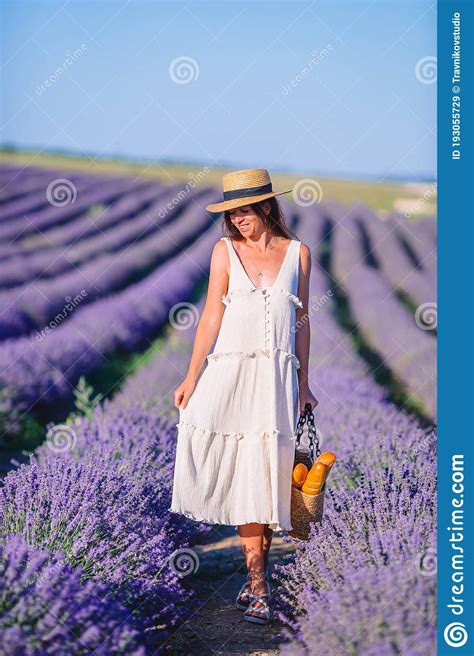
<point>267,352</point>
<point>226,521</point>
<point>237,435</point>
<point>226,298</point>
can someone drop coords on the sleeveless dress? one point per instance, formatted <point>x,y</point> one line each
<point>236,436</point>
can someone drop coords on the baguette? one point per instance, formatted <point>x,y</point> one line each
<point>299,475</point>
<point>318,473</point>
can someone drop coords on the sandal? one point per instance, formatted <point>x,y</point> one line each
<point>261,614</point>
<point>244,596</point>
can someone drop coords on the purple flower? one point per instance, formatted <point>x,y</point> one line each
<point>47,608</point>
<point>103,522</point>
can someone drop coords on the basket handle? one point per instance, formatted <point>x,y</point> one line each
<point>307,415</point>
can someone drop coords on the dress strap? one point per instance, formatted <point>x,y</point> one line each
<point>235,266</point>
<point>229,248</point>
<point>297,254</point>
<point>296,263</point>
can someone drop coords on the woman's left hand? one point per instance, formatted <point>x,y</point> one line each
<point>306,396</point>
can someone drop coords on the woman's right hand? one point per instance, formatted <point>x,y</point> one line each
<point>183,392</point>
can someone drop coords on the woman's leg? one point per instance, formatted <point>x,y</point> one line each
<point>267,543</point>
<point>256,542</point>
<point>251,537</point>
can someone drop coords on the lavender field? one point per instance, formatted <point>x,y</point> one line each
<point>101,286</point>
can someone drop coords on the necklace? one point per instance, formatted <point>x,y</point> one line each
<point>260,272</point>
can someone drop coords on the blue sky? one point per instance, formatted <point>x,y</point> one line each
<point>318,87</point>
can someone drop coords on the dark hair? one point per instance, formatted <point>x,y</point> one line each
<point>274,222</point>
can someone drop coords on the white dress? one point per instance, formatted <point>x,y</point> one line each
<point>236,436</point>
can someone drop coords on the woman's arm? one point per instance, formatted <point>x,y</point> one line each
<point>209,322</point>
<point>303,330</point>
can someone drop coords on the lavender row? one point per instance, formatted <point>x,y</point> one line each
<point>18,177</point>
<point>399,337</point>
<point>384,250</point>
<point>92,222</point>
<point>65,204</point>
<point>372,555</point>
<point>125,222</point>
<point>98,491</point>
<point>19,209</point>
<point>31,307</point>
<point>16,182</point>
<point>33,371</point>
<point>45,603</point>
<point>152,385</point>
<point>102,487</point>
<point>427,230</point>
<point>14,186</point>
<point>420,248</point>
<point>20,182</point>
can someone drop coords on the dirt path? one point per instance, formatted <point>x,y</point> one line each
<point>217,627</point>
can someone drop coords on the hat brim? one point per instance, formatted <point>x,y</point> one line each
<point>241,202</point>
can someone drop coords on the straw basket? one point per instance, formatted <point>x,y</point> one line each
<point>306,508</point>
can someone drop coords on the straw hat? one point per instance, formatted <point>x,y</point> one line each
<point>244,188</point>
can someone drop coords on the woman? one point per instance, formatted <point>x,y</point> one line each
<point>237,421</point>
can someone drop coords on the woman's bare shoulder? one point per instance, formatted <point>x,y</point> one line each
<point>305,256</point>
<point>220,246</point>
<point>220,254</point>
<point>305,250</point>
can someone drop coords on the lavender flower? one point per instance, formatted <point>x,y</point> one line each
<point>104,523</point>
<point>46,608</point>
